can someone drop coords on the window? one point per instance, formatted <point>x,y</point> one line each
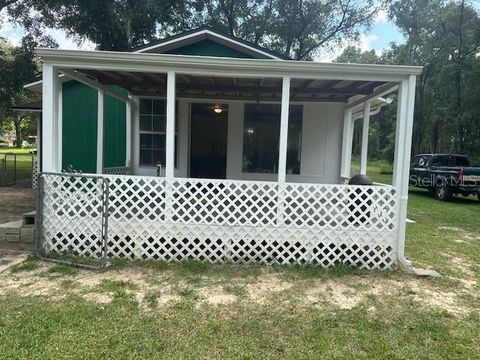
<point>440,160</point>
<point>458,161</point>
<point>261,138</point>
<point>152,132</point>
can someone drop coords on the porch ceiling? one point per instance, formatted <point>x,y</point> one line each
<point>226,88</point>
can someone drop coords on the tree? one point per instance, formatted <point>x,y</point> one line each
<point>111,24</point>
<point>296,28</point>
<point>17,67</point>
<point>5,3</point>
<point>299,29</point>
<point>443,37</point>
<point>352,54</point>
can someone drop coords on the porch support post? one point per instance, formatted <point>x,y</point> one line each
<point>282,151</point>
<point>403,148</point>
<point>128,133</point>
<point>100,127</point>
<point>400,133</point>
<point>170,127</point>
<point>50,131</point>
<point>60,128</point>
<point>366,125</point>
<point>347,141</point>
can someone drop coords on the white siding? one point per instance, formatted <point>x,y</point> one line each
<point>321,143</point>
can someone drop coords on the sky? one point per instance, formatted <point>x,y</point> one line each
<point>378,38</point>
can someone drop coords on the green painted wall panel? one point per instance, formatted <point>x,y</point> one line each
<point>208,48</point>
<point>115,130</point>
<point>79,147</point>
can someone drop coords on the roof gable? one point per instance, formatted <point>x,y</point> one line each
<point>208,47</point>
<point>207,42</point>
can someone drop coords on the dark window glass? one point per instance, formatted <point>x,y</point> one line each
<point>152,132</point>
<point>261,138</point>
<point>440,160</point>
<point>460,161</point>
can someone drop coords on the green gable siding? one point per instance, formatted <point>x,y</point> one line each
<point>115,130</point>
<point>209,48</point>
<point>79,147</point>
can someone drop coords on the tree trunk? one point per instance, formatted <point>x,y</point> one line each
<point>18,134</point>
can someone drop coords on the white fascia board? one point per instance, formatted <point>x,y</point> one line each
<point>36,86</point>
<point>210,33</point>
<point>228,67</point>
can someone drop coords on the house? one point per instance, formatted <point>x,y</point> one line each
<point>205,146</point>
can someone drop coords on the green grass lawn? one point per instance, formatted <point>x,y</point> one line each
<point>23,162</point>
<point>194,310</point>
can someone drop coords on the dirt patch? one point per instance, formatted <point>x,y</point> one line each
<point>216,296</point>
<point>269,287</point>
<point>463,236</point>
<point>99,298</point>
<point>445,300</point>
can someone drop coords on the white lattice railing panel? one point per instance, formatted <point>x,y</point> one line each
<point>224,202</point>
<point>226,220</point>
<point>336,206</point>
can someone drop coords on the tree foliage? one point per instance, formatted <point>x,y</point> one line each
<point>443,37</point>
<point>296,28</point>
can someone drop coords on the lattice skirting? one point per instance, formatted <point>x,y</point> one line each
<point>220,221</point>
<point>217,244</point>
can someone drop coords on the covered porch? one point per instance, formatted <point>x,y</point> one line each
<point>256,209</point>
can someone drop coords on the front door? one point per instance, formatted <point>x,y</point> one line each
<point>208,141</point>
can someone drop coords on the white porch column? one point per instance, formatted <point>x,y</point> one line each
<point>400,133</point>
<point>282,145</point>
<point>50,132</point>
<point>128,132</point>
<point>170,127</point>
<point>366,125</point>
<point>403,148</point>
<point>347,141</point>
<point>100,127</point>
<point>60,128</point>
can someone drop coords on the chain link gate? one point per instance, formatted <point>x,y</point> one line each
<point>72,219</point>
<point>8,169</point>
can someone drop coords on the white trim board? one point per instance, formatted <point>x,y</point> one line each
<point>202,35</point>
<point>229,67</point>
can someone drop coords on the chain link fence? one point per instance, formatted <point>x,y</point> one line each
<point>8,169</point>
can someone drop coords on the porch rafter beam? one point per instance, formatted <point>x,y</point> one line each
<point>80,77</point>
<point>293,98</point>
<point>381,91</point>
<point>349,90</point>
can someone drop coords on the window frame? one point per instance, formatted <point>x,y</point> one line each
<point>300,142</point>
<point>155,132</point>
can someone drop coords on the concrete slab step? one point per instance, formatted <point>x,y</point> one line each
<point>15,236</point>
